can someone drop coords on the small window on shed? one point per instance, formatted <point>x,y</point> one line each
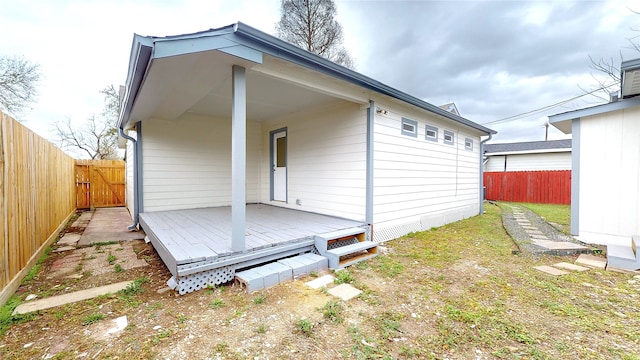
<point>449,137</point>
<point>409,127</point>
<point>431,133</point>
<point>468,144</point>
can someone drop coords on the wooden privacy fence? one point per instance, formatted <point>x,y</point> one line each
<point>37,198</point>
<point>544,187</point>
<point>100,183</point>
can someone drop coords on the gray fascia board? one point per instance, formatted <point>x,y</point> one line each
<point>283,50</point>
<point>139,61</point>
<point>595,110</point>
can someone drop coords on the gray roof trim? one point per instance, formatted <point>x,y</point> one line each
<point>528,147</point>
<point>595,110</point>
<point>284,50</point>
<point>629,65</point>
<point>139,60</point>
<point>277,48</point>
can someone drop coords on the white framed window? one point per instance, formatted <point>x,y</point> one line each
<point>449,137</point>
<point>430,133</point>
<point>409,127</point>
<point>468,144</point>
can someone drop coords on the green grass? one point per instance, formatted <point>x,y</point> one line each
<point>304,326</point>
<point>332,310</point>
<point>92,318</point>
<point>36,268</point>
<point>559,214</point>
<point>216,304</point>
<point>343,277</point>
<point>7,319</point>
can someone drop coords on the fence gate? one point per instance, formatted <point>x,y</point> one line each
<point>99,183</point>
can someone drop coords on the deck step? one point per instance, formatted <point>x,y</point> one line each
<point>283,270</point>
<point>624,257</point>
<point>344,256</point>
<point>323,241</point>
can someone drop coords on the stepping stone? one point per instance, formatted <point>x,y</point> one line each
<point>550,270</point>
<point>568,266</point>
<point>64,248</point>
<point>345,292</point>
<point>528,227</point>
<point>69,239</point>
<point>54,301</point>
<point>320,282</point>
<point>558,245</point>
<point>592,261</point>
<point>539,238</point>
<point>534,232</point>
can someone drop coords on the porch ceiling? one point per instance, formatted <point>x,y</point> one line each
<point>201,83</point>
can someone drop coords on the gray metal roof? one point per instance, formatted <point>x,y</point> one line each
<point>143,53</point>
<point>563,120</point>
<point>531,146</point>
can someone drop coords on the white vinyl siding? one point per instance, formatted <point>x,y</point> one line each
<point>326,161</point>
<point>530,162</point>
<point>187,163</point>
<point>419,184</point>
<point>609,209</point>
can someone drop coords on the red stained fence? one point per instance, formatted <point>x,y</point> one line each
<point>543,187</point>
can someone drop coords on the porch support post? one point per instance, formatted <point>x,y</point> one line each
<point>369,193</point>
<point>238,158</point>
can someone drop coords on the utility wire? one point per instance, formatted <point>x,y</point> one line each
<point>532,112</point>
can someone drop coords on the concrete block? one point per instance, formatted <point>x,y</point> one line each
<point>284,272</point>
<point>270,277</point>
<point>298,267</point>
<point>252,279</point>
<point>314,262</point>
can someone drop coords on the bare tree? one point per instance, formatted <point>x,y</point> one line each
<point>98,136</point>
<point>311,25</point>
<point>18,80</point>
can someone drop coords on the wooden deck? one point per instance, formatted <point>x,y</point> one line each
<point>194,240</point>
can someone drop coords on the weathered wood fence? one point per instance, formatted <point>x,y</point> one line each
<point>100,183</point>
<point>37,198</point>
<point>544,187</point>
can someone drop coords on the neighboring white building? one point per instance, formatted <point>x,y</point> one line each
<point>605,191</point>
<point>319,137</point>
<point>528,156</point>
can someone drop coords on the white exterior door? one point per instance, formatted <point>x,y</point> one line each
<point>279,163</point>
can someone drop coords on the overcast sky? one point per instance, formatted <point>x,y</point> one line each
<point>494,59</point>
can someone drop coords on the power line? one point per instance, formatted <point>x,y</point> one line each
<point>519,116</point>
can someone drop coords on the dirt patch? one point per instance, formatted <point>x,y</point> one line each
<point>456,292</point>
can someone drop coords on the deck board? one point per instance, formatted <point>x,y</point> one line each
<point>197,235</point>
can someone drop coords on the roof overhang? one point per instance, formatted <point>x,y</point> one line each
<point>191,73</point>
<point>563,121</point>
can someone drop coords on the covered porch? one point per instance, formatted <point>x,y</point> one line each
<point>195,243</point>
